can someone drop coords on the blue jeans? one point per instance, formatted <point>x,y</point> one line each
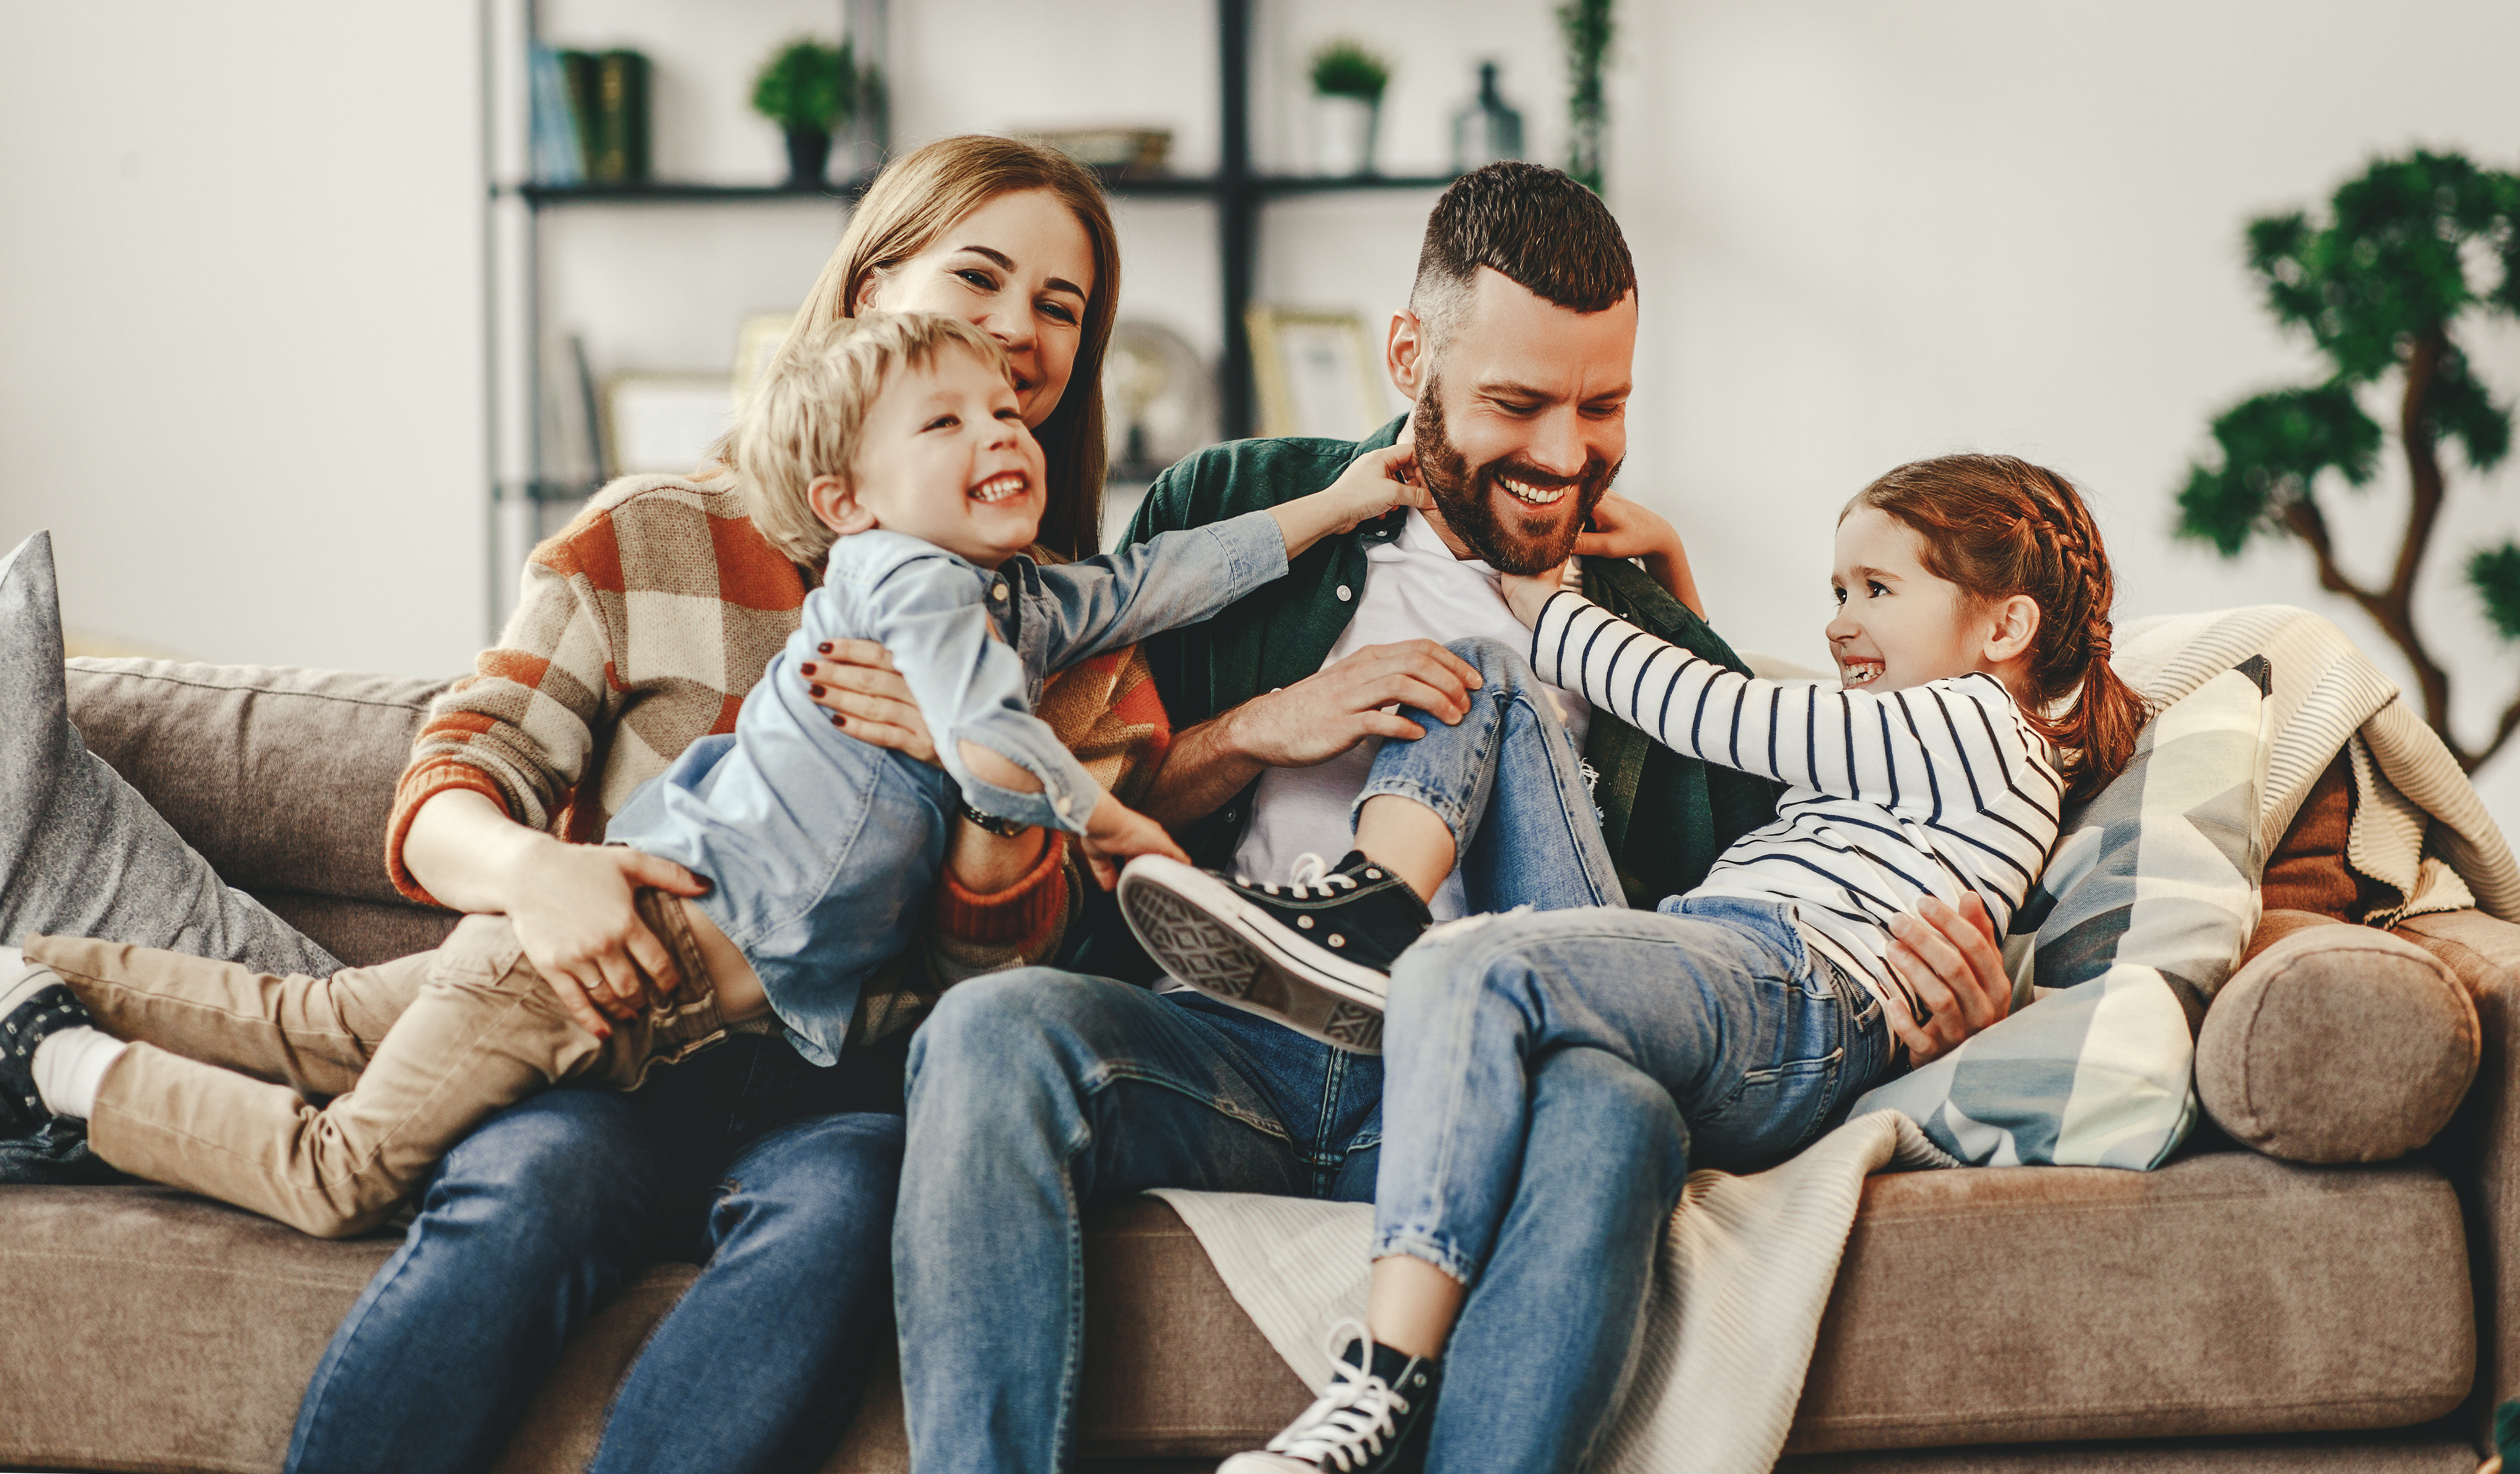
<point>534,1220</point>
<point>1706,1027</point>
<point>1508,782</point>
<point>1036,1095</point>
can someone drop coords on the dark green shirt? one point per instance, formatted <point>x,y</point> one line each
<point>1666,816</point>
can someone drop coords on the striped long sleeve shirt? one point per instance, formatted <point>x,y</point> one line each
<point>1932,790</point>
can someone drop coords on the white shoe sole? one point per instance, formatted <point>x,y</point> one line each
<point>1213,940</point>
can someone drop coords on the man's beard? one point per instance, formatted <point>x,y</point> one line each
<point>1532,541</point>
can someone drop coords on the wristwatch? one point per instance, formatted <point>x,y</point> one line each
<point>1004,829</point>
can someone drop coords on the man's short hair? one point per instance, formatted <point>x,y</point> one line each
<point>1537,227</point>
<point>807,416</point>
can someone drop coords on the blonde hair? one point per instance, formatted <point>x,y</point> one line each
<point>908,210</point>
<point>807,417</point>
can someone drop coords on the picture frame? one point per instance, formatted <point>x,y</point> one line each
<point>1315,373</point>
<point>756,343</point>
<point>663,423</point>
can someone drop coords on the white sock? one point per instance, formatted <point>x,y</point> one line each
<point>69,1066</point>
<point>13,965</point>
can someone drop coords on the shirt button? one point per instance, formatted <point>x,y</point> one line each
<point>1065,806</point>
<point>1344,595</point>
<point>997,590</point>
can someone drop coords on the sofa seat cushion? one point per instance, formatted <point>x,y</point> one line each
<point>2226,1293</point>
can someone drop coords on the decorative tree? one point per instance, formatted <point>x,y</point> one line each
<point>2379,286</point>
<point>1585,27</point>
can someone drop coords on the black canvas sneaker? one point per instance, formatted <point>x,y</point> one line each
<point>1372,1419</point>
<point>35,1005</point>
<point>1315,954</point>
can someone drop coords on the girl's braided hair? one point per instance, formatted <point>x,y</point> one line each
<point>1997,526</point>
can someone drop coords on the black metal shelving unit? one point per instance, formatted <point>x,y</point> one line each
<point>1238,192</point>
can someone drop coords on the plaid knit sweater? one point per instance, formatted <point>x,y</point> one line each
<point>640,627</point>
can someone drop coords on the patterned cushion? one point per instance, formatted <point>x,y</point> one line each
<point>2143,911</point>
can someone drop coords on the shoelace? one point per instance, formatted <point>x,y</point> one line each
<point>1311,872</point>
<point>1347,1424</point>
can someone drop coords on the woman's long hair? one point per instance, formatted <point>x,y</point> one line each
<point>1998,526</point>
<point>909,208</point>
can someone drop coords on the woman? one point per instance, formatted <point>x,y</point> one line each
<point>641,627</point>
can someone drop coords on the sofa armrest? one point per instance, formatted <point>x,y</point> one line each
<point>2480,1150</point>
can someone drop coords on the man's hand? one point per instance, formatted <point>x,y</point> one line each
<point>1115,833</point>
<point>1622,528</point>
<point>1342,703</point>
<point>855,681</point>
<point>1951,960</point>
<point>571,907</point>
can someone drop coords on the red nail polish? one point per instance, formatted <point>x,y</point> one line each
<point>817,691</point>
<point>825,646</point>
<point>809,667</point>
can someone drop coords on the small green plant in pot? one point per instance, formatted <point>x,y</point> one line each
<point>1347,107</point>
<point>808,89</point>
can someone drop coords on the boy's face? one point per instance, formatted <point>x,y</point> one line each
<point>947,460</point>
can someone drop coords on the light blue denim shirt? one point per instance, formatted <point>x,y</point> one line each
<point>935,612</point>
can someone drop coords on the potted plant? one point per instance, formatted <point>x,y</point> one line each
<point>1347,107</point>
<point>808,89</point>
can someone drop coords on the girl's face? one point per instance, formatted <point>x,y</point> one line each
<point>1897,624</point>
<point>1019,268</point>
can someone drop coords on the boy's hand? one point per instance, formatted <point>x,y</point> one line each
<point>1115,833</point>
<point>1375,482</point>
<point>1372,484</point>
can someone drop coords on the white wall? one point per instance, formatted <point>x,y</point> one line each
<point>1865,234</point>
<point>241,324</point>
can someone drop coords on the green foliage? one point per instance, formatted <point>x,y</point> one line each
<point>2274,448</point>
<point>1585,27</point>
<point>2496,575</point>
<point>1344,68</point>
<point>807,85</point>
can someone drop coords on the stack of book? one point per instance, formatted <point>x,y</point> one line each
<point>590,117</point>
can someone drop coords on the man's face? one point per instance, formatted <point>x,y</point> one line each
<point>1521,427</point>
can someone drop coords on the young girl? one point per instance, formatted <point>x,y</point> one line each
<point>1972,638</point>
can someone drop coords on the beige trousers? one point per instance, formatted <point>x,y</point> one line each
<point>213,1094</point>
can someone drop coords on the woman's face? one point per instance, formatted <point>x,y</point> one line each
<point>1019,268</point>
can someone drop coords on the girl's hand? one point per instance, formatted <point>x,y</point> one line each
<point>855,681</point>
<point>571,907</point>
<point>1526,594</point>
<point>1115,833</point>
<point>1622,528</point>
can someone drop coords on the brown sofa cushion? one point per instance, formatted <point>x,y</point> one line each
<point>2226,1293</point>
<point>2336,1043</point>
<point>280,777</point>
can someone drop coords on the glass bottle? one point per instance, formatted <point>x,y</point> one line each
<point>1486,130</point>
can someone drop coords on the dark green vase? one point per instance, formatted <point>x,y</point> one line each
<point>809,155</point>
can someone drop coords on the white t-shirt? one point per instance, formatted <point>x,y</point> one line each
<point>1415,589</point>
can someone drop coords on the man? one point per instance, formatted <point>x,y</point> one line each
<point>1035,1095</point>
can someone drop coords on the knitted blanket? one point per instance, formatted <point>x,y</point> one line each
<point>2418,826</point>
<point>1739,1283</point>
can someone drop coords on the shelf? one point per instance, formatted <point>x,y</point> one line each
<point>670,192</point>
<point>1180,185</point>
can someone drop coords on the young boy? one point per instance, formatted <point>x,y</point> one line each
<point>897,439</point>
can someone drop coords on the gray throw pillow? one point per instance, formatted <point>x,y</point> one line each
<point>81,854</point>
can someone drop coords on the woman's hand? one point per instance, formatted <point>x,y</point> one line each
<point>571,905</point>
<point>1621,529</point>
<point>1115,833</point>
<point>1951,960</point>
<point>854,679</point>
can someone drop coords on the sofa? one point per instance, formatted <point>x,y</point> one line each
<point>2229,1311</point>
